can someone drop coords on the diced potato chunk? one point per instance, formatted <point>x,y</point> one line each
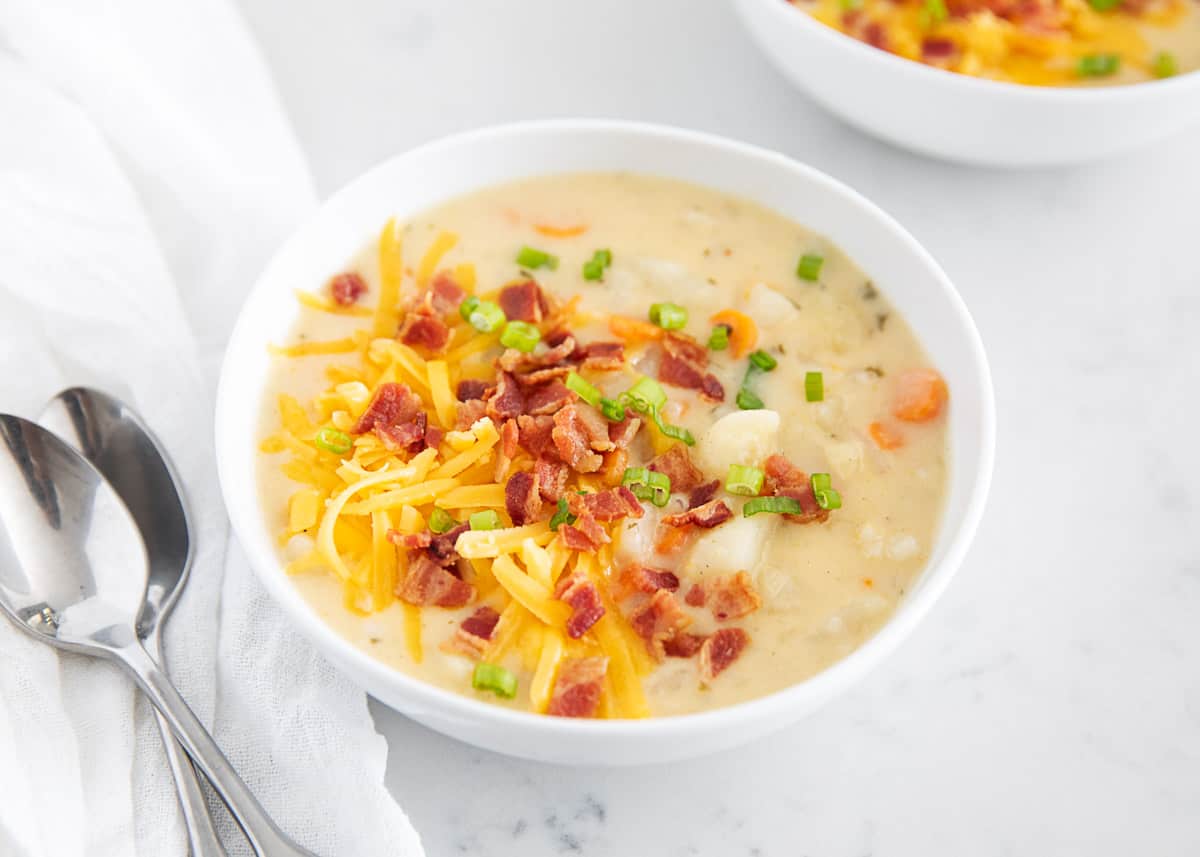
<point>742,437</point>
<point>734,546</point>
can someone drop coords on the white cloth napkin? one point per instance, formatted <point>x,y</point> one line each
<point>146,172</point>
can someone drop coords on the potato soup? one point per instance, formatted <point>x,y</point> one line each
<point>603,445</point>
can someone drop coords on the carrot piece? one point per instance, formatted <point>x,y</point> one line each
<point>743,332</point>
<point>551,231</point>
<point>885,437</point>
<point>920,395</point>
<point>633,330</point>
<point>671,540</point>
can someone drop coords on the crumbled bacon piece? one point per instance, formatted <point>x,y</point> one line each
<point>410,541</point>
<point>391,405</point>
<point>469,389</point>
<point>444,294</point>
<point>649,580</point>
<point>347,288</point>
<point>733,597</point>
<point>536,435</point>
<point>507,450</point>
<point>683,364</point>
<point>583,597</point>
<point>810,509</point>
<point>520,361</point>
<point>610,505</point>
<point>702,494</point>
<point>441,547</point>
<point>572,439</point>
<point>696,596</point>
<point>547,398</point>
<point>707,516</point>
<point>935,49</point>
<point>468,413</point>
<point>584,535</point>
<point>421,327</point>
<point>404,435</point>
<point>521,498</point>
<point>613,469</point>
<point>622,434</point>
<point>471,638</point>
<point>523,301</point>
<point>720,650</point>
<point>603,356</point>
<point>677,466</point>
<point>784,479</point>
<point>683,645</point>
<point>551,478</point>
<point>577,688</point>
<point>428,583</point>
<point>433,436</point>
<point>507,401</point>
<point>659,619</point>
<point>540,376</point>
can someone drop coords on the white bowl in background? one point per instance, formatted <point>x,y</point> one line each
<point>414,181</point>
<point>963,118</point>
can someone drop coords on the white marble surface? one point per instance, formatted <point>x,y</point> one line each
<point>1051,702</point>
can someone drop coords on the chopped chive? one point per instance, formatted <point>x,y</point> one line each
<point>820,482</point>
<point>494,678</point>
<point>828,499</point>
<point>718,340</point>
<point>593,268</point>
<point>332,440</point>
<point>468,306</point>
<point>814,387</point>
<point>561,516</point>
<point>649,393</point>
<point>742,479</point>
<point>668,316</point>
<point>932,12</point>
<point>1104,5</point>
<point>485,520</point>
<point>763,360</point>
<point>748,400</point>
<point>1164,64</point>
<point>810,267</point>
<point>440,521</point>
<point>533,259</point>
<point>647,484</point>
<point>851,5</point>
<point>673,432</point>
<point>586,390</point>
<point>520,335</point>
<point>1098,65</point>
<point>613,410</point>
<point>486,316</point>
<point>777,505</point>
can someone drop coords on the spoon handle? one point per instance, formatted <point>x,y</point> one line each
<point>266,839</point>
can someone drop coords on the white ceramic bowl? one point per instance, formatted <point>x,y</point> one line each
<point>409,183</point>
<point>964,118</point>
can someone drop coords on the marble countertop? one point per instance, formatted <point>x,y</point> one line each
<point>1050,703</point>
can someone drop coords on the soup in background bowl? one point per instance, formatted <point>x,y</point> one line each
<point>576,436</point>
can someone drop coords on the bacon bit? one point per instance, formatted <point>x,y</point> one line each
<point>622,434</point>
<point>707,516</point>
<point>347,288</point>
<point>471,638</point>
<point>683,645</point>
<point>634,330</point>
<point>596,427</point>
<point>577,688</point>
<point>734,596</point>
<point>885,437</point>
<point>581,594</point>
<point>551,231</point>
<point>875,35</point>
<point>391,405</point>
<point>679,373</point>
<point>685,348</point>
<point>421,328</point>
<point>523,301</point>
<point>571,439</point>
<point>784,479</point>
<point>521,498</point>
<point>811,510</point>
<point>547,398</point>
<point>433,436</point>
<point>469,413</point>
<point>671,539</point>
<point>513,360</point>
<point>441,548</point>
<point>405,435</point>
<point>536,435</point>
<point>933,49</point>
<point>720,651</point>
<point>697,596</point>
<point>649,580</point>
<point>410,541</point>
<point>658,620</point>
<point>920,395</point>
<point>702,494</point>
<point>507,401</point>
<point>427,582</point>
<point>584,535</point>
<point>612,472</point>
<point>506,451</point>
<point>551,478</point>
<point>610,505</point>
<point>444,294</point>
<point>676,465</point>
<point>603,356</point>
<point>469,389</point>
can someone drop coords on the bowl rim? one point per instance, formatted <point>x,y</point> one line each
<point>239,490</point>
<point>786,11</point>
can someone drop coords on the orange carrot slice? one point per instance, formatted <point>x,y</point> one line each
<point>743,332</point>
<point>885,437</point>
<point>551,231</point>
<point>633,330</point>
<point>920,395</point>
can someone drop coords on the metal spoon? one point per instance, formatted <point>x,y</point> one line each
<point>114,438</point>
<point>73,573</point>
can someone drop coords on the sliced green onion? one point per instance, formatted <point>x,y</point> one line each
<point>486,316</point>
<point>440,521</point>
<point>593,268</point>
<point>485,520</point>
<point>1164,64</point>
<point>586,390</point>
<point>520,335</point>
<point>1098,65</point>
<point>468,306</point>
<point>820,482</point>
<point>494,678</point>
<point>718,340</point>
<point>932,12</point>
<point>533,259</point>
<point>748,400</point>
<point>814,387</point>
<point>668,316</point>
<point>673,432</point>
<point>744,480</point>
<point>810,267</point>
<point>764,361</point>
<point>1104,5</point>
<point>613,410</point>
<point>647,484</point>
<point>828,499</point>
<point>777,505</point>
<point>332,440</point>
<point>562,516</point>
<point>647,393</point>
